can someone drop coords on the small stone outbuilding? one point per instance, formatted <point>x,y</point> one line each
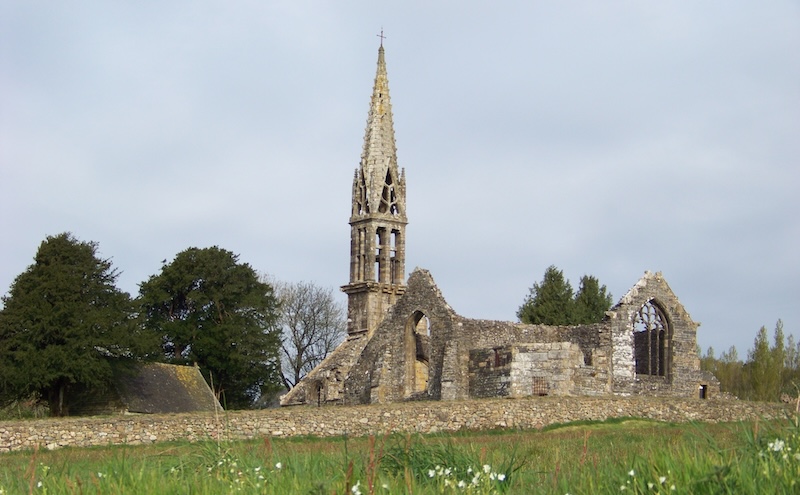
<point>150,388</point>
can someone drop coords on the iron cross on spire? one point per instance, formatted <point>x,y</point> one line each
<point>381,36</point>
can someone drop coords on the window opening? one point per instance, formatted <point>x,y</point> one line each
<point>499,357</point>
<point>540,386</point>
<point>318,387</point>
<point>379,261</point>
<point>393,257</point>
<point>388,196</point>
<point>650,340</point>
<point>423,326</point>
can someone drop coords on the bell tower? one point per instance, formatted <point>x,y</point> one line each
<point>378,218</point>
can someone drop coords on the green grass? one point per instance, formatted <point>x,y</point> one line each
<point>619,456</point>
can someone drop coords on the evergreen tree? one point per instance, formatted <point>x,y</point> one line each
<point>778,357</point>
<point>63,321</point>
<point>708,362</point>
<point>549,303</point>
<point>762,372</point>
<point>591,301</point>
<point>791,368</point>
<point>211,310</point>
<point>730,372</point>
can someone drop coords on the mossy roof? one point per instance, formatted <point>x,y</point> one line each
<point>154,388</point>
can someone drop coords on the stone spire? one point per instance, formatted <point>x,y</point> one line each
<point>378,217</point>
<point>377,182</point>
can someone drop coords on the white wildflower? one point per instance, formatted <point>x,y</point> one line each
<point>431,473</point>
<point>662,479</point>
<point>650,485</point>
<point>39,484</point>
<point>777,445</point>
<point>493,476</point>
<point>278,465</point>
<point>462,484</point>
<point>631,473</point>
<point>501,477</point>
<point>487,468</point>
<point>257,469</point>
<point>356,490</point>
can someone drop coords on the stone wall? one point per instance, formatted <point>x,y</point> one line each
<point>490,372</point>
<point>422,417</point>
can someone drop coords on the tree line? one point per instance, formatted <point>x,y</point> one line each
<point>770,372</point>
<point>65,325</point>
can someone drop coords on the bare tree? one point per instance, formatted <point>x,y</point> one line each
<point>313,324</point>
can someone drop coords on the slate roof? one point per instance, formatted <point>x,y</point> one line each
<point>148,388</point>
<point>153,388</point>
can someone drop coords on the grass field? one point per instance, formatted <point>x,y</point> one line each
<point>616,456</point>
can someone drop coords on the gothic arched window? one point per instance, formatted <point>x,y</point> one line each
<point>651,340</point>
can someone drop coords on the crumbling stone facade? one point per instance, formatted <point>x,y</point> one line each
<point>406,343</point>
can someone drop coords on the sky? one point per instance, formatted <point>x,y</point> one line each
<point>605,138</point>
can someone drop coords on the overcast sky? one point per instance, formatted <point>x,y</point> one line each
<point>606,138</point>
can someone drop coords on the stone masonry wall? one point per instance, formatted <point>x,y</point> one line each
<point>422,417</point>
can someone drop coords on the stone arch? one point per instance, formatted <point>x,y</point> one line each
<point>417,344</point>
<point>652,340</point>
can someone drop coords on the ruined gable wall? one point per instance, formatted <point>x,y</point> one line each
<point>381,373</point>
<point>684,372</point>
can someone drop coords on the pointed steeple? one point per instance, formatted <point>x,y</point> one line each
<point>378,182</point>
<point>378,217</point>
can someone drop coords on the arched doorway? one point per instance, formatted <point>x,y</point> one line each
<point>417,354</point>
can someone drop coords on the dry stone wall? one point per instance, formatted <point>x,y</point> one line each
<point>422,417</point>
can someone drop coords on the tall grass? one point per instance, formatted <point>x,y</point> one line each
<point>631,456</point>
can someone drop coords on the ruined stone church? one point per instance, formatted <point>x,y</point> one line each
<point>404,342</point>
